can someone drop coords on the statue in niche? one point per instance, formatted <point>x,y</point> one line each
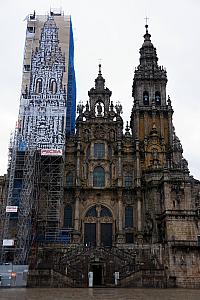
<point>99,109</point>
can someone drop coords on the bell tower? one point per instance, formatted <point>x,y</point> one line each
<point>151,118</point>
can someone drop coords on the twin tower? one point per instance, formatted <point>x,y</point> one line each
<point>93,186</point>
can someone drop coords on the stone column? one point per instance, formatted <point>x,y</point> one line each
<point>137,124</point>
<point>76,214</point>
<point>137,179</point>
<point>76,235</point>
<point>146,127</point>
<point>119,164</point>
<point>138,186</point>
<point>162,125</point>
<point>139,213</point>
<point>120,216</point>
<point>78,165</point>
<point>98,228</point>
<point>120,237</point>
<point>170,113</point>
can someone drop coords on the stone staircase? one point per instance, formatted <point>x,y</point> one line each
<point>137,267</point>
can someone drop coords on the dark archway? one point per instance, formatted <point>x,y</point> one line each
<point>98,226</point>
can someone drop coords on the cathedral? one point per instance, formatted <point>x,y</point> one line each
<point>130,206</point>
<point>118,206</point>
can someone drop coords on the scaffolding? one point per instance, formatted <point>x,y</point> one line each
<point>50,198</point>
<point>35,189</point>
<point>40,206</point>
<point>27,208</point>
<point>15,170</point>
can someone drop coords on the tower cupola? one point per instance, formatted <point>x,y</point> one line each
<point>149,83</point>
<point>99,95</point>
<point>148,55</point>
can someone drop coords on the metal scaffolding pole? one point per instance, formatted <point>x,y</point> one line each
<point>11,197</point>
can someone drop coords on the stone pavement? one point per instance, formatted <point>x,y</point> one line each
<point>98,293</point>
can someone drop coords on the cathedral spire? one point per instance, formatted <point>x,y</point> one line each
<point>148,55</point>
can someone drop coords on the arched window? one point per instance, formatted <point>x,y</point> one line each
<point>99,177</point>
<point>53,86</point>
<point>99,150</point>
<point>38,89</point>
<point>157,98</point>
<point>92,212</point>
<point>145,98</point>
<point>70,179</point>
<point>105,212</point>
<point>68,216</point>
<point>129,217</point>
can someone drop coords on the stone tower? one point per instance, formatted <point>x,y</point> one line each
<point>166,193</point>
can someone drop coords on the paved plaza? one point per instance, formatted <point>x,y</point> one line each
<point>99,293</point>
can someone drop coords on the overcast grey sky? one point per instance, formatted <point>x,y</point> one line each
<point>112,30</point>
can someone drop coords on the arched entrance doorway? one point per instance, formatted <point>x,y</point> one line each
<point>98,226</point>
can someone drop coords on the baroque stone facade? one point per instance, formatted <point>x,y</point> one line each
<point>119,207</point>
<point>133,189</point>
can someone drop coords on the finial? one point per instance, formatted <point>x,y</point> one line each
<point>99,69</point>
<point>146,25</point>
<point>127,130</point>
<point>147,36</point>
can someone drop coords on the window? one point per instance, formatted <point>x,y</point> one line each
<point>39,86</point>
<point>129,238</point>
<point>53,86</point>
<point>157,98</point>
<point>99,150</point>
<point>99,177</point>
<point>92,212</point>
<point>27,68</point>
<point>129,217</point>
<point>128,180</point>
<point>70,179</point>
<point>68,216</point>
<point>146,98</point>
<point>105,212</point>
<point>31,29</point>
